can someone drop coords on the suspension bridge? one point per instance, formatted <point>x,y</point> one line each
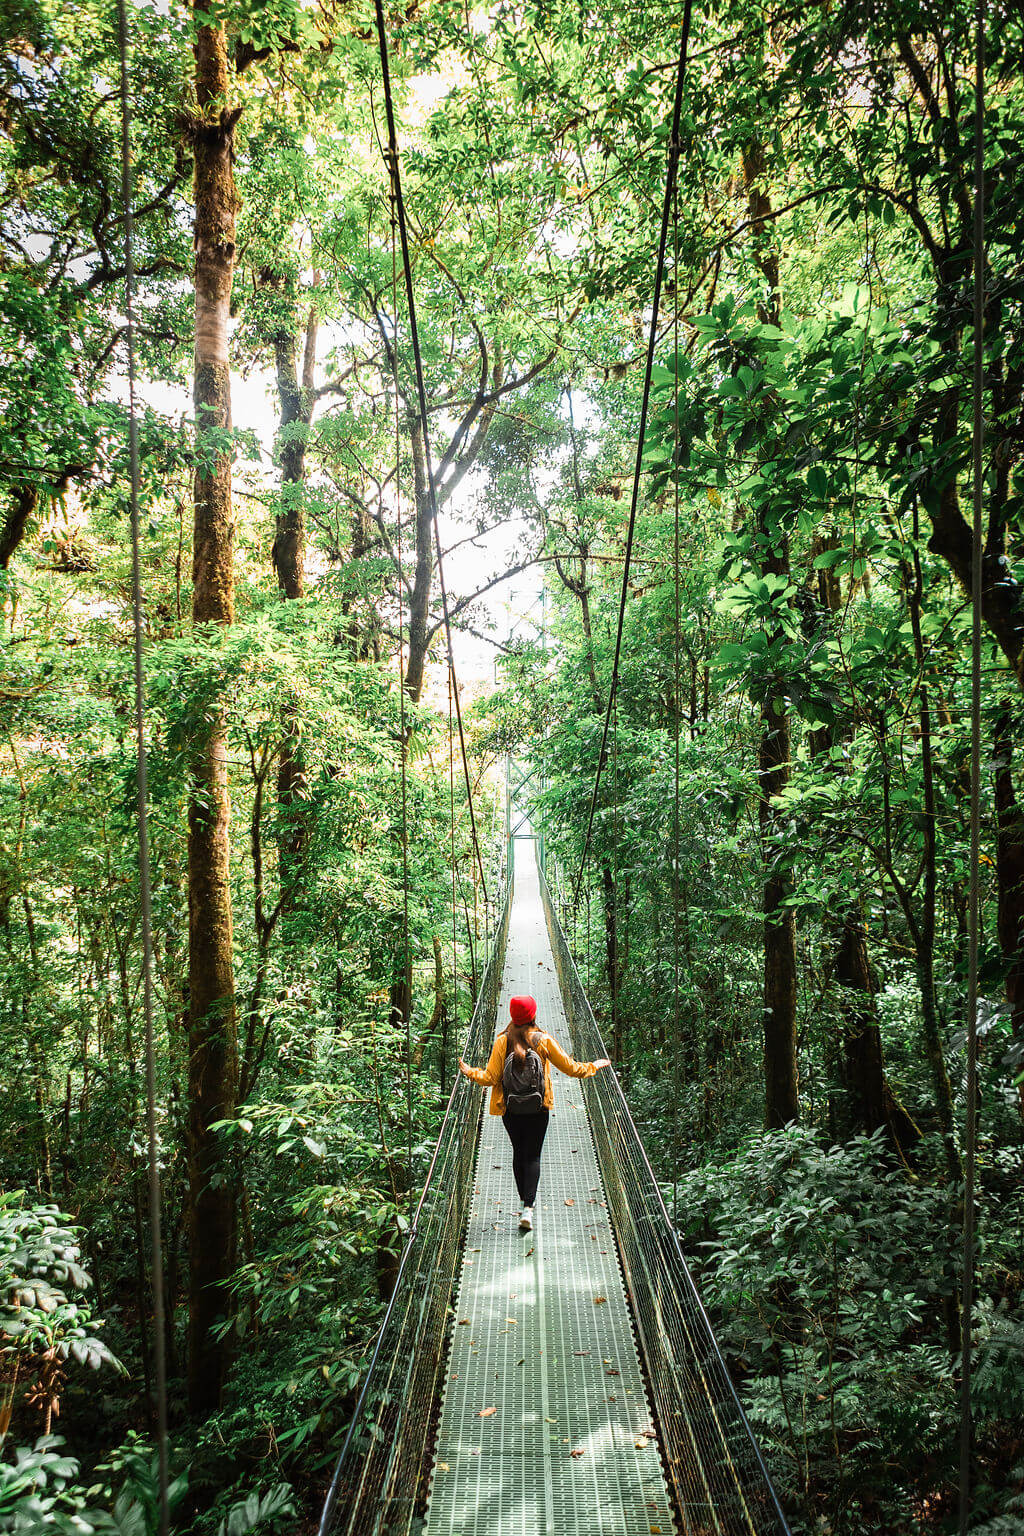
<point>561,1381</point>
<point>568,1380</point>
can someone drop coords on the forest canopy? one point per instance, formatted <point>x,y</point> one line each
<point>768,895</point>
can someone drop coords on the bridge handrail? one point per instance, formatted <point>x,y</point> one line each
<point>714,1464</point>
<point>379,1482</point>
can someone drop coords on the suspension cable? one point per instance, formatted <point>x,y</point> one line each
<point>142,793</point>
<point>974,903</point>
<point>455,917</point>
<point>392,162</point>
<point>670,182</point>
<point>616,946</point>
<point>406,992</point>
<point>676,628</point>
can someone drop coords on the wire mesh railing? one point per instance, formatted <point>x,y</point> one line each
<point>715,1469</point>
<point>380,1480</point>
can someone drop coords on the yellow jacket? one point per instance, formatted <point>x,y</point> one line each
<point>547,1048</point>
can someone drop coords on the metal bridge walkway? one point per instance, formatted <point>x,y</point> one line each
<point>545,1425</point>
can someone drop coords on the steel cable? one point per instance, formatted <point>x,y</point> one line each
<point>142,793</point>
<point>670,182</point>
<point>974,900</point>
<point>391,159</point>
<point>406,983</point>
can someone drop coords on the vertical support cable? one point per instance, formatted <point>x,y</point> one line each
<point>589,979</point>
<point>676,1072</point>
<point>670,182</point>
<point>391,159</point>
<point>406,962</point>
<point>617,1052</point>
<point>973,919</point>
<point>142,791</point>
<point>455,920</point>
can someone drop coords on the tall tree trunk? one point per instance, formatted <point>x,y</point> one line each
<point>862,1044</point>
<point>924,936</point>
<point>450,469</point>
<point>212,1036</point>
<point>1010,875</point>
<point>872,1105</point>
<point>782,1098</point>
<point>23,503</point>
<point>423,569</point>
<point>295,399</point>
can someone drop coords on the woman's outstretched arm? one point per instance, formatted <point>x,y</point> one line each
<point>571,1067</point>
<point>489,1076</point>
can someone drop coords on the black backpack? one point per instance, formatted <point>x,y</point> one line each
<point>523,1083</point>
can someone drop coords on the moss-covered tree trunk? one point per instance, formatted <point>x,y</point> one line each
<point>212,1038</point>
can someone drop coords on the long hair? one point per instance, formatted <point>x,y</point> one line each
<point>518,1037</point>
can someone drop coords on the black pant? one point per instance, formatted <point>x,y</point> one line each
<point>526,1133</point>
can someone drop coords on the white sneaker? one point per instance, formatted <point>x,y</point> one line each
<point>526,1219</point>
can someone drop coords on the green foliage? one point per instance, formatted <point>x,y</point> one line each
<point>816,470</point>
<point>44,1327</point>
<point>826,1271</point>
<point>266,1513</point>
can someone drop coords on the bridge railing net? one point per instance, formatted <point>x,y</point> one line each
<point>380,1480</point>
<point>714,1466</point>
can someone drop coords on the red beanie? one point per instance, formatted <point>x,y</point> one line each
<point>523,1010</point>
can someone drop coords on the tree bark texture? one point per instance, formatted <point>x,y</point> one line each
<point>212,1042</point>
<point>23,503</point>
<point>873,1105</point>
<point>295,401</point>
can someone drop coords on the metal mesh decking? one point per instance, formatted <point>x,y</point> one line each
<point>542,1334</point>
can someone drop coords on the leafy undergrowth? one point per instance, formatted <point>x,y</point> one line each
<point>832,1279</point>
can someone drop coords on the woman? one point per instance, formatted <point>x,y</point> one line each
<point>519,1077</point>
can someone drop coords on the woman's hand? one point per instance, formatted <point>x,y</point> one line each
<point>463,1067</point>
<point>604,1062</point>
